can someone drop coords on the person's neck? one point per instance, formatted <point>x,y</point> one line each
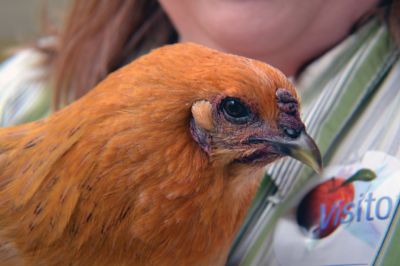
<point>289,60</point>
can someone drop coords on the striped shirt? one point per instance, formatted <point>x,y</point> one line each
<point>351,104</point>
<point>24,93</point>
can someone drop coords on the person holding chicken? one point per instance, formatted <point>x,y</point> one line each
<point>342,55</point>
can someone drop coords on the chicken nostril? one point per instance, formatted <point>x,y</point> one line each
<point>291,132</point>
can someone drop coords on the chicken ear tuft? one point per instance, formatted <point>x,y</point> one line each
<point>202,114</point>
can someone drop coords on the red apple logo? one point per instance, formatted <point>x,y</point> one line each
<point>321,210</point>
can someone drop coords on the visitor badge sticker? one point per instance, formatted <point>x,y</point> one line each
<point>342,219</point>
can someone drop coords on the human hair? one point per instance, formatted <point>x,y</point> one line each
<point>393,18</point>
<point>100,36</point>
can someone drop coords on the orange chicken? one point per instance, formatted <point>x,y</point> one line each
<point>157,165</point>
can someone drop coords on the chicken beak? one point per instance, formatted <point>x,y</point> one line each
<point>304,149</point>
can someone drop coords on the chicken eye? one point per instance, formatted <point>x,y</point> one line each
<point>291,132</point>
<point>235,111</point>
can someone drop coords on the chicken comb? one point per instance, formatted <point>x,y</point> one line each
<point>287,102</point>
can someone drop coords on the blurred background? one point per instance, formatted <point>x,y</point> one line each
<point>23,20</point>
